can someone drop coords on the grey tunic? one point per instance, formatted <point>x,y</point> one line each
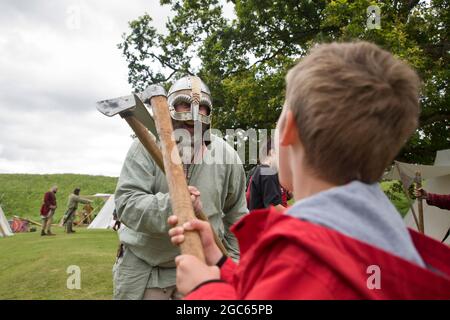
<point>143,206</point>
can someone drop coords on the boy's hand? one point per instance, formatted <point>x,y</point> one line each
<point>195,198</point>
<point>420,193</point>
<point>211,250</point>
<point>191,272</point>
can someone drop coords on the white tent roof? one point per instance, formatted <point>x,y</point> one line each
<point>102,195</point>
<point>427,172</point>
<point>436,221</point>
<point>104,218</point>
<point>5,230</point>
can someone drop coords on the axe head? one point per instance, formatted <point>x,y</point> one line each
<point>151,91</point>
<point>142,114</point>
<point>111,107</point>
<point>131,105</point>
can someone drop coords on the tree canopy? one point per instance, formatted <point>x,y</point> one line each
<point>244,60</point>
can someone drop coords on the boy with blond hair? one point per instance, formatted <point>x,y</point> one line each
<point>349,109</point>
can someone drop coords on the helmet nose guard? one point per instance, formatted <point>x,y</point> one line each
<point>193,91</point>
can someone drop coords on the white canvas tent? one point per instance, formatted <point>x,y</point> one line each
<point>437,180</point>
<point>5,230</point>
<point>104,219</point>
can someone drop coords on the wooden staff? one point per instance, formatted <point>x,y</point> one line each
<point>406,192</point>
<point>420,203</point>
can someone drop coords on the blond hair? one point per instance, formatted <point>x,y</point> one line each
<point>355,107</point>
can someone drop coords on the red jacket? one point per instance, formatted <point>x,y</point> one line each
<point>295,259</point>
<point>439,200</point>
<point>49,200</point>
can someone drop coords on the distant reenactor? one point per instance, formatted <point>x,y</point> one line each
<point>72,205</point>
<point>48,210</point>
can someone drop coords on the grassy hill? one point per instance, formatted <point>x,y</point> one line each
<point>34,267</point>
<point>22,194</point>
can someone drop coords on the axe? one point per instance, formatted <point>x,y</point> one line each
<point>132,109</point>
<point>134,112</point>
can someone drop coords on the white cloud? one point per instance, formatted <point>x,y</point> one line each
<point>57,59</point>
<point>53,67</point>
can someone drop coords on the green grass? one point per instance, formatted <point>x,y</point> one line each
<point>22,194</point>
<point>399,200</point>
<point>34,267</point>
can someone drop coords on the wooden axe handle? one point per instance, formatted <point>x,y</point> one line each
<point>150,145</point>
<point>146,139</point>
<point>180,197</point>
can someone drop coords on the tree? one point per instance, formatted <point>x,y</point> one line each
<point>244,61</point>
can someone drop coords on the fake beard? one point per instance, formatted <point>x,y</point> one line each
<point>189,138</point>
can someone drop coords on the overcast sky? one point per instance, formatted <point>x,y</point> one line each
<point>57,58</point>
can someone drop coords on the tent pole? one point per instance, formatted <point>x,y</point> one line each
<point>86,218</point>
<point>1,231</point>
<point>420,203</point>
<point>405,191</point>
<point>29,220</point>
<point>61,222</point>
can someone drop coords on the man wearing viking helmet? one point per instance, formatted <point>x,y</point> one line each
<point>145,267</point>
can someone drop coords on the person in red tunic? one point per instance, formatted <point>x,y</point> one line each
<point>48,210</point>
<point>349,109</point>
<point>438,200</point>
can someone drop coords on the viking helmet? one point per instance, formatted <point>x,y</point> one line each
<point>191,90</point>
